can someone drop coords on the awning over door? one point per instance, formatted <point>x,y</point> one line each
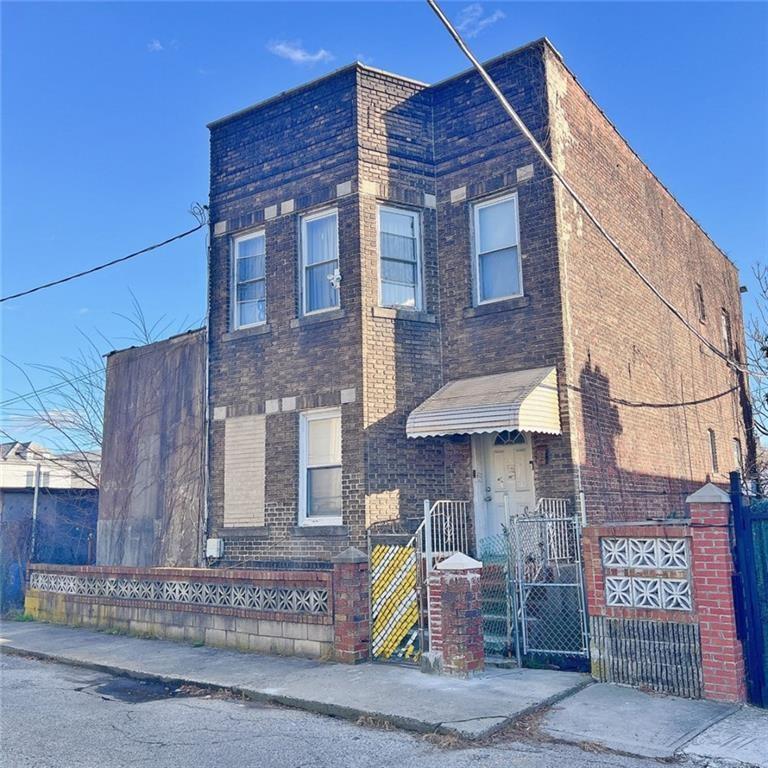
<point>523,400</point>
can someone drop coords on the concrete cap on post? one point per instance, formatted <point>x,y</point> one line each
<point>350,555</point>
<point>459,562</point>
<point>709,494</point>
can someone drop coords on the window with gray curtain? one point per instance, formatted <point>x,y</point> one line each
<point>250,280</point>
<point>400,256</point>
<point>320,262</point>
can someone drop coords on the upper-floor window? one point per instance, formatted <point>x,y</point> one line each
<point>320,467</point>
<point>497,255</point>
<point>319,262</point>
<point>725,320</point>
<point>738,458</point>
<point>400,258</point>
<point>250,305</point>
<point>713,450</point>
<point>700,303</point>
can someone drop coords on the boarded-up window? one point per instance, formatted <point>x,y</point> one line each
<point>244,471</point>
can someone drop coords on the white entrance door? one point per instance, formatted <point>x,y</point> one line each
<point>505,471</point>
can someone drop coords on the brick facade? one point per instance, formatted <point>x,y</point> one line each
<point>360,137</point>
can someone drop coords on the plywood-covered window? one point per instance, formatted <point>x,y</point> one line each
<point>244,471</point>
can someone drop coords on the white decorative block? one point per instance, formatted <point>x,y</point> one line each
<point>673,553</point>
<point>618,591</point>
<point>272,406</point>
<point>430,201</point>
<point>458,194</point>
<point>219,412</point>
<point>368,187</point>
<point>287,206</point>
<point>288,404</point>
<point>642,553</point>
<point>614,553</point>
<point>345,188</point>
<point>348,395</point>
<point>270,212</point>
<point>646,593</point>
<point>524,173</point>
<point>676,594</point>
<point>219,228</point>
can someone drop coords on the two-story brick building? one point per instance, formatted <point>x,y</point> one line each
<point>405,305</point>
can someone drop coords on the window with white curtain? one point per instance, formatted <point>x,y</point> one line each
<point>320,467</point>
<point>250,301</point>
<point>400,257</point>
<point>497,254</point>
<point>320,262</point>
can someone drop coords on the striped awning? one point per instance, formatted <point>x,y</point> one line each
<point>522,400</point>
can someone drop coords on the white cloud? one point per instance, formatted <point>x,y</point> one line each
<point>295,52</point>
<point>472,22</point>
<point>155,45</point>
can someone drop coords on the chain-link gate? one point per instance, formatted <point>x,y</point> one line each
<point>396,598</point>
<point>532,588</point>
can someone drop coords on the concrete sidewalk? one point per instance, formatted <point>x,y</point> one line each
<point>576,710</point>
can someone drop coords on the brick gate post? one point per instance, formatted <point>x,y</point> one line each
<point>456,619</point>
<point>712,570</point>
<point>351,622</point>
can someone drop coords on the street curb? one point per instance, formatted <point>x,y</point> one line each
<point>315,707</point>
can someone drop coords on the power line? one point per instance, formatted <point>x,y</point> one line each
<point>577,199</point>
<point>202,219</point>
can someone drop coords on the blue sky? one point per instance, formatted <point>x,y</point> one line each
<point>104,143</point>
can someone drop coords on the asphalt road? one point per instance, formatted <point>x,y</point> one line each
<point>56,716</point>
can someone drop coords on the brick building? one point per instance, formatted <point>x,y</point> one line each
<point>405,305</point>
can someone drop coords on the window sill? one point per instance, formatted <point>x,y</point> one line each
<point>244,532</point>
<point>395,313</point>
<point>494,307</point>
<point>321,531</point>
<point>320,317</point>
<point>242,333</point>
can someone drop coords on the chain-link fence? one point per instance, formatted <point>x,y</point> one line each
<point>532,590</point>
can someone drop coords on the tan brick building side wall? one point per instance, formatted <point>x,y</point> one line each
<point>628,358</point>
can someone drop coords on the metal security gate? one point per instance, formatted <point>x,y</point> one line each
<point>750,527</point>
<point>533,589</point>
<point>396,597</point>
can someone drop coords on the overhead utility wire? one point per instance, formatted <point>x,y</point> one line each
<point>584,207</point>
<point>202,219</point>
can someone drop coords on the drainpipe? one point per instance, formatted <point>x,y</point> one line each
<point>35,499</point>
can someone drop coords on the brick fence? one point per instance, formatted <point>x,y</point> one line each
<point>661,604</point>
<point>291,612</point>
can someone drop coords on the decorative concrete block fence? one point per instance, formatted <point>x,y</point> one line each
<point>290,612</point>
<point>661,603</point>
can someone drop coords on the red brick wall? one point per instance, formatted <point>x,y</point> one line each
<point>628,358</point>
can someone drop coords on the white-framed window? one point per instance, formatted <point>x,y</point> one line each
<point>725,323</point>
<point>320,262</point>
<point>249,280</point>
<point>713,449</point>
<point>738,457</point>
<point>498,273</point>
<point>320,467</point>
<point>399,258</point>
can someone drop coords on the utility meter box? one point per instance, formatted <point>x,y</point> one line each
<point>214,548</point>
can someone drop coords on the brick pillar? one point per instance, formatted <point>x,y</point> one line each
<point>456,619</point>
<point>711,570</point>
<point>351,623</point>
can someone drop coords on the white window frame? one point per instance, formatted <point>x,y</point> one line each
<point>419,290</point>
<point>305,219</point>
<point>304,419</point>
<point>236,240</point>
<point>476,208</point>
